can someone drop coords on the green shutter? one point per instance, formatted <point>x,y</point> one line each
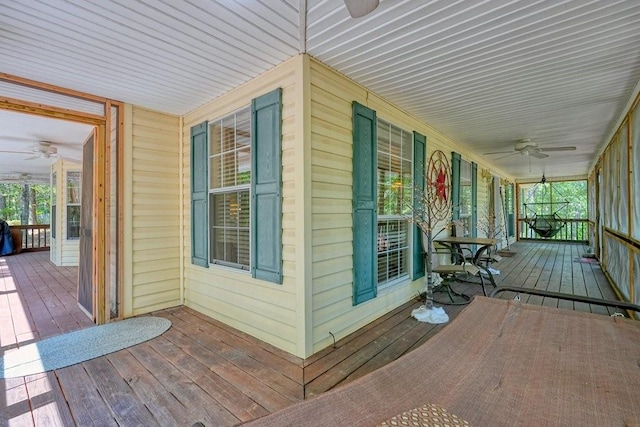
<point>474,199</point>
<point>199,192</point>
<point>419,164</point>
<point>455,184</point>
<point>266,187</point>
<point>364,204</point>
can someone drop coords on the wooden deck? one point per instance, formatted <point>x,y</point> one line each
<point>202,370</point>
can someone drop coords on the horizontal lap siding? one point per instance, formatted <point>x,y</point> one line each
<point>155,211</point>
<point>70,252</point>
<point>66,252</point>
<point>262,309</point>
<point>331,181</point>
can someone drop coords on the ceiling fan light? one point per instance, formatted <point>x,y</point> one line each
<point>359,8</point>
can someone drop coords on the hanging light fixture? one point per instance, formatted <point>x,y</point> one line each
<point>359,8</point>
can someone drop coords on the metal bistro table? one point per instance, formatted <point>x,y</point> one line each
<point>454,243</point>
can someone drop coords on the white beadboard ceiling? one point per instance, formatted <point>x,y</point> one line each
<point>485,73</point>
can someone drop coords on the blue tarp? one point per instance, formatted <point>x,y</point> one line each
<point>6,241</point>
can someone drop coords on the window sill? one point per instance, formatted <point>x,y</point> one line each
<point>386,287</point>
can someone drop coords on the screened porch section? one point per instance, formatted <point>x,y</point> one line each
<point>554,211</point>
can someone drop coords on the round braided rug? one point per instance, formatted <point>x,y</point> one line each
<point>79,346</point>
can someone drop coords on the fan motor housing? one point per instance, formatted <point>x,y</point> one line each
<point>525,144</point>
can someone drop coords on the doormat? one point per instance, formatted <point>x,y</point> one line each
<point>79,346</point>
<point>587,260</point>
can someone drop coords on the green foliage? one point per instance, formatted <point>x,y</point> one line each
<point>11,203</point>
<point>394,193</point>
<point>567,198</point>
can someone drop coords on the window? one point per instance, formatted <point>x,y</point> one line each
<point>236,190</point>
<point>466,194</point>
<point>229,189</point>
<point>384,174</point>
<point>73,205</point>
<point>54,202</point>
<point>394,198</point>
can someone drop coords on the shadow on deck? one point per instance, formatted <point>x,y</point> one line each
<point>202,370</point>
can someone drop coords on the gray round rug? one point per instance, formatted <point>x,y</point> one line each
<point>79,346</point>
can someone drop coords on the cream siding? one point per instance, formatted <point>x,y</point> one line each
<point>63,251</point>
<point>152,218</point>
<point>315,297</point>
<point>331,181</point>
<point>265,310</point>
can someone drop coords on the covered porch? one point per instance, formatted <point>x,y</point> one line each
<point>202,370</point>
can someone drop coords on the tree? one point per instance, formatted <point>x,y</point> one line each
<point>569,196</point>
<point>25,203</point>
<point>24,211</point>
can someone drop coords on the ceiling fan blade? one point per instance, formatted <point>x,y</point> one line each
<point>513,153</point>
<point>15,152</point>
<point>538,154</point>
<point>569,148</point>
<point>499,152</point>
<point>33,157</point>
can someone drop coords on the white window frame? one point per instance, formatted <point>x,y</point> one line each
<point>228,189</point>
<point>400,217</point>
<point>70,204</point>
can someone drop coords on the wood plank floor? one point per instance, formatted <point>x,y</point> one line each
<point>201,370</point>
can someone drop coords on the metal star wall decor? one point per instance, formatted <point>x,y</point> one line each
<point>439,185</point>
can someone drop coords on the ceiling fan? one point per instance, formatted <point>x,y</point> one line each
<point>526,147</point>
<point>41,150</point>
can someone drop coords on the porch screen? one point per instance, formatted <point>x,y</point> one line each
<point>635,184</point>
<point>623,176</point>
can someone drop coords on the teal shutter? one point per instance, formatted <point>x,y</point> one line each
<point>474,199</point>
<point>455,184</point>
<point>199,193</point>
<point>365,258</point>
<point>266,187</point>
<point>419,164</point>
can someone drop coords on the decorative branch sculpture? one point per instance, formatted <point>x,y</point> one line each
<point>431,206</point>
